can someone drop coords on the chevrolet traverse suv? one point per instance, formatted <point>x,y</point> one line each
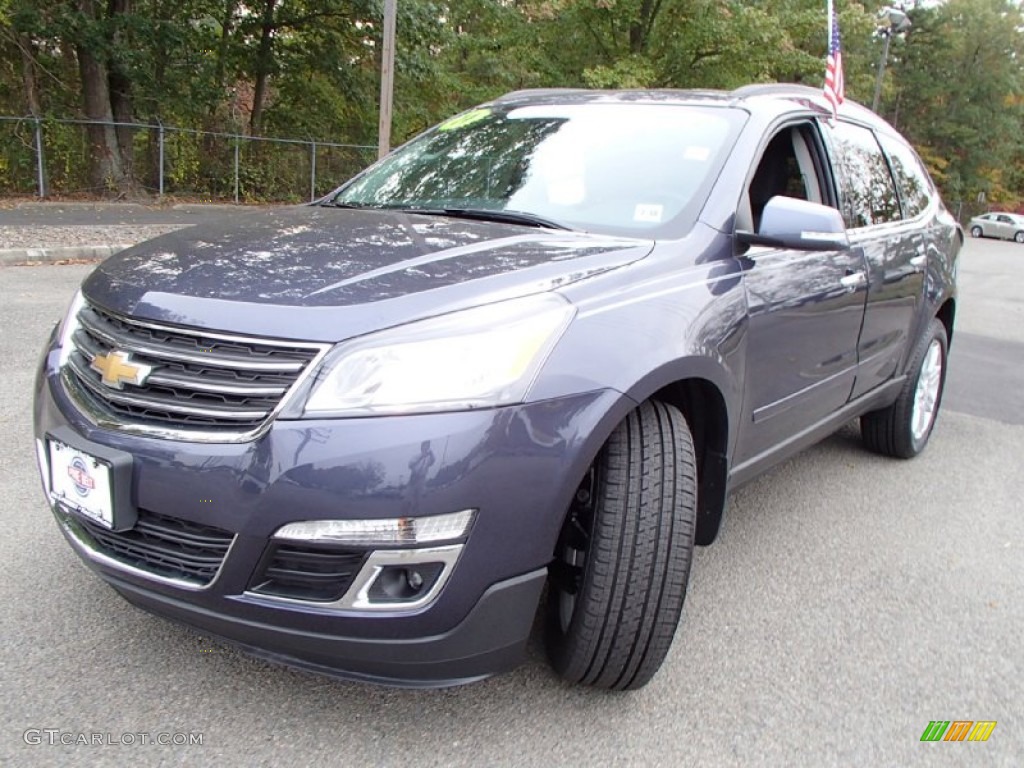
<point>526,355</point>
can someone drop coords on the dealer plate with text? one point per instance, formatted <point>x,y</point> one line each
<point>81,482</point>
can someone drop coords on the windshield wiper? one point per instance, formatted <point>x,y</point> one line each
<point>491,214</point>
<point>342,204</point>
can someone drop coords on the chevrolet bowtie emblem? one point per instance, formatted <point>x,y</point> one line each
<point>116,368</point>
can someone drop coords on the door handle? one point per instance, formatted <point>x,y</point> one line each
<point>918,262</point>
<point>853,281</point>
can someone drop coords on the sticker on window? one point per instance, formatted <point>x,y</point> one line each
<point>700,154</point>
<point>466,118</point>
<point>648,212</point>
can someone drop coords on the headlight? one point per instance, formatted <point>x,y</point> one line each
<point>476,358</point>
<point>68,327</point>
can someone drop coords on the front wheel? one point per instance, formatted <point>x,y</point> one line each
<point>619,577</point>
<point>975,231</point>
<point>902,430</point>
<point>1019,237</point>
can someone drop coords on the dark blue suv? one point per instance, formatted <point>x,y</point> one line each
<point>536,346</point>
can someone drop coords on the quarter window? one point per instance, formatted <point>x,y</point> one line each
<point>912,179</point>
<point>869,194</point>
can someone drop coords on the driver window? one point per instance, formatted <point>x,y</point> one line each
<point>786,168</point>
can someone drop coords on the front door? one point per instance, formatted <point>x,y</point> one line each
<point>805,308</point>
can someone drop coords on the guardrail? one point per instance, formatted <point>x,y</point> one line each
<point>47,156</point>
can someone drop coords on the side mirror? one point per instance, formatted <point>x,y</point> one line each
<point>798,224</point>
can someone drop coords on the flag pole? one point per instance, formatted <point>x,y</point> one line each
<point>828,27</point>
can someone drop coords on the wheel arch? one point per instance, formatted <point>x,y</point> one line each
<point>703,390</point>
<point>946,315</point>
<point>704,408</point>
<point>699,387</point>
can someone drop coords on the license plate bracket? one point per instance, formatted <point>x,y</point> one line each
<point>91,480</point>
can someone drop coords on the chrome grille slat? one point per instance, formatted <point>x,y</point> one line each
<point>142,401</point>
<point>249,390</point>
<point>167,377</point>
<point>117,339</point>
<point>228,392</point>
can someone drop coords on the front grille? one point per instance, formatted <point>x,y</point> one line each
<point>196,380</point>
<point>164,546</point>
<point>306,572</point>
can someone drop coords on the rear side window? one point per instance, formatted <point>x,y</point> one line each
<point>915,186</point>
<point>869,194</point>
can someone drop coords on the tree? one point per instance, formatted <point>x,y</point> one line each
<point>958,93</point>
<point>310,68</point>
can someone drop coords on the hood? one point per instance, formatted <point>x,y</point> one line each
<point>325,274</point>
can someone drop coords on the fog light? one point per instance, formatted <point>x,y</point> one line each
<point>393,580</point>
<point>387,532</point>
<point>402,579</point>
<point>403,583</point>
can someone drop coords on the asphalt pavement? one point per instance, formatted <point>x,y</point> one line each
<point>66,232</point>
<point>849,600</point>
<point>84,214</point>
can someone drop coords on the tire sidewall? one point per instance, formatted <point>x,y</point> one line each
<point>975,231</point>
<point>1019,237</point>
<point>581,651</point>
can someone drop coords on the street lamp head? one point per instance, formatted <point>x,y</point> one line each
<point>893,20</point>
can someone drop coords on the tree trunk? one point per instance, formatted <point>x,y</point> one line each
<point>29,76</point>
<point>120,92</point>
<point>108,170</point>
<point>264,59</point>
<point>640,28</point>
<point>226,28</point>
<point>30,79</point>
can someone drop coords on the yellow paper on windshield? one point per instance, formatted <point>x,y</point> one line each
<point>466,118</point>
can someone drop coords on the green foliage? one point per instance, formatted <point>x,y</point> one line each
<point>954,81</point>
<point>957,89</point>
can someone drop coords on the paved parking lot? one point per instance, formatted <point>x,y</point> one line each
<point>848,601</point>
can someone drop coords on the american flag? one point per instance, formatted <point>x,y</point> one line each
<point>835,82</point>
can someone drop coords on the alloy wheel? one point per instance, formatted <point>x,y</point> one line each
<point>926,396</point>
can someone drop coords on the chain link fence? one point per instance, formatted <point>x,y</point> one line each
<point>46,157</point>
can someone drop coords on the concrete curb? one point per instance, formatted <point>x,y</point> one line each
<point>11,257</point>
<point>100,205</point>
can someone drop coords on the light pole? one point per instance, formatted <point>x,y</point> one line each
<point>387,78</point>
<point>892,22</point>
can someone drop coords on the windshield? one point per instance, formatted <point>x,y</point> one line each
<point>632,169</point>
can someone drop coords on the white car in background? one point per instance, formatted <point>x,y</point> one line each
<point>1005,226</point>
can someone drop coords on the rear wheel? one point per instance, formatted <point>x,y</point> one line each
<point>1019,237</point>
<point>975,231</point>
<point>619,577</point>
<point>902,430</point>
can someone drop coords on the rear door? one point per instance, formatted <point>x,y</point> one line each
<point>1004,226</point>
<point>894,245</point>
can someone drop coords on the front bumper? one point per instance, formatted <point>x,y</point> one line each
<point>517,466</point>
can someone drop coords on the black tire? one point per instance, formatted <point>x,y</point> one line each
<point>612,617</point>
<point>891,431</point>
<point>1019,237</point>
<point>975,231</point>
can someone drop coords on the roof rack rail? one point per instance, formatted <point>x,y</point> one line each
<point>535,92</point>
<point>776,89</point>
